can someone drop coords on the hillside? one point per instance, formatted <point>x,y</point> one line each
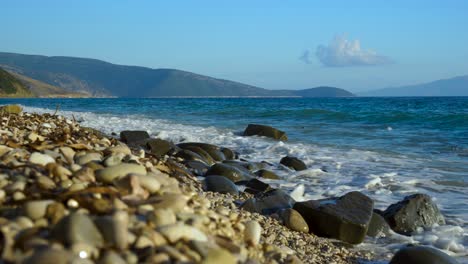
<point>323,91</point>
<point>99,78</point>
<point>10,86</point>
<point>457,86</point>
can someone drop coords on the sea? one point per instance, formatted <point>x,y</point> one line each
<point>387,148</point>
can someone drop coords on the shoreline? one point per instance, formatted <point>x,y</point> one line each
<point>138,203</point>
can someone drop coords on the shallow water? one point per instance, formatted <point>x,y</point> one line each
<point>385,147</point>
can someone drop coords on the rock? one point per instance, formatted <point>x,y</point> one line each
<point>197,167</point>
<point>114,229</point>
<point>265,131</point>
<point>293,163</point>
<point>214,151</point>
<point>252,232</point>
<point>114,159</point>
<point>414,211</point>
<point>179,231</point>
<point>269,202</point>
<point>294,220</point>
<point>186,154</point>
<point>41,159</point>
<point>228,171</point>
<point>228,153</point>
<point>111,257</point>
<point>133,136</point>
<point>345,218</point>
<point>159,147</point>
<point>220,184</point>
<point>161,217</point>
<point>88,157</point>
<point>36,209</point>
<point>150,183</point>
<point>255,186</point>
<point>248,166</point>
<point>378,227</point>
<point>421,255</point>
<point>219,255</point>
<point>77,228</point>
<point>11,109</point>
<point>107,175</point>
<point>202,153</point>
<point>49,255</point>
<point>175,202</point>
<point>267,174</point>
<point>68,153</point>
<point>122,148</point>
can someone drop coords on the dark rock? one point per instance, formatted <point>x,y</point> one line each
<point>250,166</point>
<point>269,202</point>
<point>197,167</point>
<point>133,136</point>
<point>228,171</point>
<point>255,186</point>
<point>378,227</point>
<point>214,151</point>
<point>159,147</point>
<point>186,154</point>
<point>345,218</point>
<point>421,255</point>
<point>293,163</point>
<point>293,220</point>
<point>267,174</point>
<point>206,156</point>
<point>229,154</point>
<point>414,211</point>
<point>265,131</point>
<point>220,184</point>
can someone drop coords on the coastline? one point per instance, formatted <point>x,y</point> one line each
<point>65,162</point>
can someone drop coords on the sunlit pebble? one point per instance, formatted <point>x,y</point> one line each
<point>83,254</point>
<point>72,203</point>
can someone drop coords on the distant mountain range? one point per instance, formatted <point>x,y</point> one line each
<point>100,79</point>
<point>457,86</point>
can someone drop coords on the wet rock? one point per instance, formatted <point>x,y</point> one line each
<point>77,228</point>
<point>244,165</point>
<point>179,231</point>
<point>214,151</point>
<point>229,154</point>
<point>267,174</point>
<point>414,211</point>
<point>186,154</point>
<point>265,131</point>
<point>220,184</point>
<point>159,147</point>
<point>269,202</point>
<point>107,175</point>
<point>378,227</point>
<point>232,173</point>
<point>133,136</point>
<point>11,109</point>
<point>41,159</point>
<point>252,232</point>
<point>255,186</point>
<point>345,218</point>
<point>49,255</point>
<point>36,209</point>
<point>294,220</point>
<point>293,163</point>
<point>421,255</point>
<point>201,152</point>
<point>197,167</point>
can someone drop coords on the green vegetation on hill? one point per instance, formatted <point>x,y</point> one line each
<point>12,87</point>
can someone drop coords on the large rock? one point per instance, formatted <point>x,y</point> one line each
<point>269,202</point>
<point>133,136</point>
<point>267,174</point>
<point>197,167</point>
<point>265,131</point>
<point>421,255</point>
<point>186,155</point>
<point>378,227</point>
<point>228,171</point>
<point>255,186</point>
<point>11,109</point>
<point>201,152</point>
<point>414,211</point>
<point>159,147</point>
<point>293,163</point>
<point>345,218</point>
<point>215,152</point>
<point>220,184</point>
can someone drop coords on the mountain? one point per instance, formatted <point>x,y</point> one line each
<point>457,86</point>
<point>99,78</point>
<point>10,86</point>
<point>323,91</point>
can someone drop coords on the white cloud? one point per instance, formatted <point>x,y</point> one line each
<point>341,52</point>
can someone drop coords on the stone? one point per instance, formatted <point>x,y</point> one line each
<point>36,209</point>
<point>255,186</point>
<point>267,174</point>
<point>220,184</point>
<point>252,232</point>
<point>413,211</point>
<point>293,220</point>
<point>244,165</point>
<point>219,255</point>
<point>68,153</point>
<point>88,157</point>
<point>175,202</point>
<point>114,159</point>
<point>197,167</point>
<point>49,255</point>
<point>111,257</point>
<point>41,159</point>
<point>11,109</point>
<point>293,163</point>
<point>202,153</point>
<point>421,255</point>
<point>122,148</point>
<point>107,175</point>
<point>186,154</point>
<point>378,227</point>
<point>114,229</point>
<point>77,228</point>
<point>345,218</point>
<point>161,217</point>
<point>133,136</point>
<point>151,184</point>
<point>159,147</point>
<point>178,231</point>
<point>214,151</point>
<point>269,202</point>
<point>265,131</point>
<point>229,154</point>
<point>232,173</point>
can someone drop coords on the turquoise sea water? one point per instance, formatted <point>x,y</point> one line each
<point>385,147</point>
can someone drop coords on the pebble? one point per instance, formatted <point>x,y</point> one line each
<point>88,157</point>
<point>36,209</point>
<point>178,231</point>
<point>161,217</point>
<point>107,175</point>
<point>111,257</point>
<point>41,159</point>
<point>77,228</point>
<point>252,232</point>
<point>219,255</point>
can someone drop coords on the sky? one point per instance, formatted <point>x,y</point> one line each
<point>355,45</point>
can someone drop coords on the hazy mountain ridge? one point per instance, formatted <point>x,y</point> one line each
<point>10,86</point>
<point>457,86</point>
<point>100,78</point>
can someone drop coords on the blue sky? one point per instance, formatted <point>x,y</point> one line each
<point>271,44</point>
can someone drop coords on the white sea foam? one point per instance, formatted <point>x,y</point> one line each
<point>332,172</point>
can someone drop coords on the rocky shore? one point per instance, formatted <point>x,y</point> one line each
<point>70,194</point>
